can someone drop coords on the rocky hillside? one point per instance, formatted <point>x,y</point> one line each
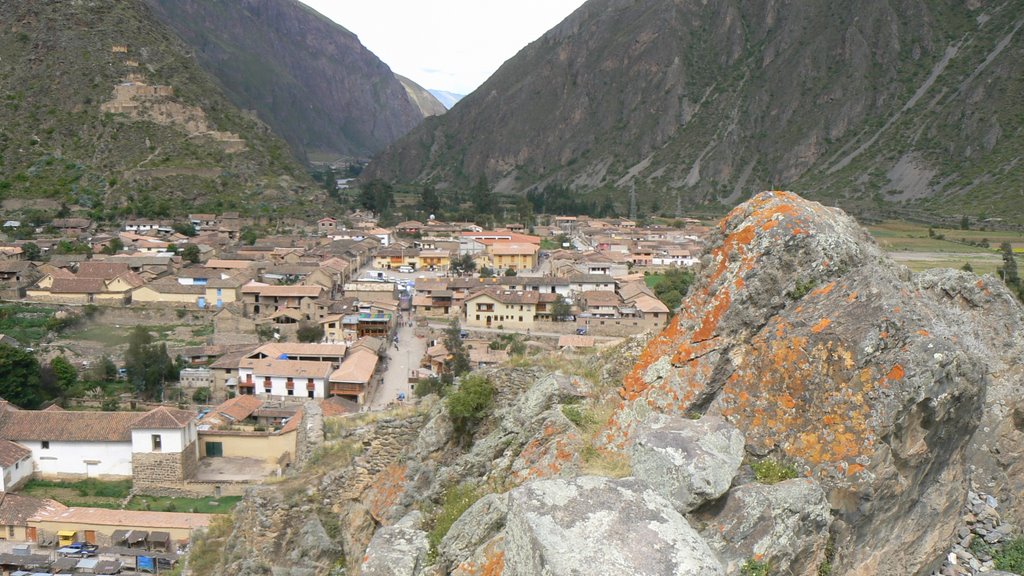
<point>905,105</point>
<point>815,409</point>
<point>428,104</point>
<point>103,108</point>
<point>308,78</point>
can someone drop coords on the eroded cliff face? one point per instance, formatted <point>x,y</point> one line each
<point>825,353</point>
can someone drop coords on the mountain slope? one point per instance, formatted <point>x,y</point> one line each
<point>423,98</point>
<point>908,103</point>
<point>447,99</point>
<point>311,80</point>
<point>103,108</point>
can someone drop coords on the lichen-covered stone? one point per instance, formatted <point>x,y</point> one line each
<point>397,550</point>
<point>689,462</point>
<point>478,524</point>
<point>600,527</point>
<point>803,334</point>
<point>784,524</point>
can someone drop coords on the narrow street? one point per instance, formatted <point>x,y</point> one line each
<point>400,362</point>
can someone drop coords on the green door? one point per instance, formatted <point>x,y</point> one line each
<point>214,449</point>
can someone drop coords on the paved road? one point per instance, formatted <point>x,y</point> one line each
<point>400,362</point>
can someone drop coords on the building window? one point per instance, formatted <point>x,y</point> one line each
<point>291,392</point>
<point>46,444</point>
<point>156,442</point>
<point>311,393</point>
<point>266,390</point>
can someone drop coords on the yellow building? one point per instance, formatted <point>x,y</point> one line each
<point>514,255</point>
<point>434,259</point>
<point>97,525</point>
<point>394,258</point>
<point>506,308</point>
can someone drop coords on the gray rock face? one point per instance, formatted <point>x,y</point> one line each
<point>786,524</point>
<point>485,518</point>
<point>689,462</point>
<point>398,550</point>
<point>597,526</point>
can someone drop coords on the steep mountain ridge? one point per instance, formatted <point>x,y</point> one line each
<point>308,78</point>
<point>907,104</point>
<point>103,109</point>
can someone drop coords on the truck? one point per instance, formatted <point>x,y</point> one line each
<point>79,550</point>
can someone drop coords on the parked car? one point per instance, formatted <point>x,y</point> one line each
<point>581,331</point>
<point>405,269</point>
<point>79,550</point>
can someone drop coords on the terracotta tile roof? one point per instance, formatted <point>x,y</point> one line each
<point>513,248</point>
<point>53,408</point>
<point>171,286</point>
<point>645,303</point>
<point>293,423</point>
<point>275,349</point>
<point>358,367</point>
<point>236,409</point>
<point>104,270</point>
<point>16,509</point>
<point>123,518</point>
<point>229,264</point>
<point>67,426</point>
<point>164,417</point>
<point>337,406</point>
<point>77,286</point>
<point>508,296</point>
<point>286,368</point>
<point>230,360</point>
<point>11,453</point>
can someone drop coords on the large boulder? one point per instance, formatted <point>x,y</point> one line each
<point>478,524</point>
<point>689,462</point>
<point>803,334</point>
<point>784,524</point>
<point>600,527</point>
<point>397,550</point>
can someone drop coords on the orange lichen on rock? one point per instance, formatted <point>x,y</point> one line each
<point>493,563</point>
<point>923,333</point>
<point>386,489</point>
<point>895,373</point>
<point>824,289</point>
<point>821,325</point>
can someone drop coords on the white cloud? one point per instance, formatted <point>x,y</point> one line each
<point>451,45</point>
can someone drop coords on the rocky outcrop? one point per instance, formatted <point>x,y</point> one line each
<point>689,462</point>
<point>600,527</point>
<point>399,550</point>
<point>785,525</point>
<point>872,381</point>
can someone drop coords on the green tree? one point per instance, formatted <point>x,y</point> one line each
<point>464,264</point>
<point>486,272</point>
<point>484,202</point>
<point>248,236</point>
<point>524,211</point>
<point>185,229</point>
<point>309,332</point>
<point>113,247</point>
<point>673,286</point>
<point>108,370</point>
<point>190,253</point>
<point>560,309</point>
<point>457,362</point>
<point>430,202</point>
<point>965,223</point>
<point>470,404</point>
<point>201,395</point>
<point>510,271</point>
<point>148,365</point>
<point>31,251</point>
<point>19,377</point>
<point>1009,265</point>
<point>65,374</point>
<point>377,196</point>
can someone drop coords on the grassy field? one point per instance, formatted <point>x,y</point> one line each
<point>108,336</point>
<point>652,279</point>
<point>25,323</point>
<point>111,494</point>
<point>912,245</point>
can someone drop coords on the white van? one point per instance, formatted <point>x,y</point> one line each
<point>405,269</point>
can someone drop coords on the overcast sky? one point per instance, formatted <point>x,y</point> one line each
<point>451,45</point>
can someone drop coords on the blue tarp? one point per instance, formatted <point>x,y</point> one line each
<point>145,562</point>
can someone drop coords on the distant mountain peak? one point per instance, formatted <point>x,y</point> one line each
<point>448,99</point>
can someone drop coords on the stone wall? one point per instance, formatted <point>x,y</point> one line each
<point>164,467</point>
<point>196,489</point>
<point>310,433</point>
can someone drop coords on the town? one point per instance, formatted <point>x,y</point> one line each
<point>214,347</point>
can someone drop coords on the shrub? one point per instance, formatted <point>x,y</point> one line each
<point>1011,557</point>
<point>470,404</point>
<point>802,288</point>
<point>456,501</point>
<point>577,415</point>
<point>201,395</point>
<point>770,471</point>
<point>754,567</point>
<point>427,386</point>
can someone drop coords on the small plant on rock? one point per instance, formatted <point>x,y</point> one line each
<point>753,567</point>
<point>1011,557</point>
<point>771,471</point>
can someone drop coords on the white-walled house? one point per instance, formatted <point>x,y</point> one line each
<point>268,376</point>
<point>15,465</point>
<point>152,447</point>
<point>73,444</point>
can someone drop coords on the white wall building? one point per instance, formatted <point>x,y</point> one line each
<point>15,465</point>
<point>267,376</point>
